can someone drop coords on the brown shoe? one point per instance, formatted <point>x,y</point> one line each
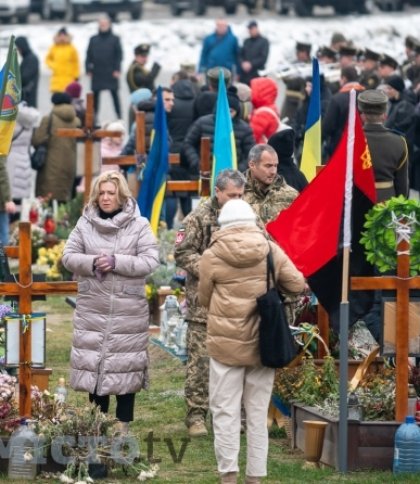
<point>197,429</point>
<point>252,480</point>
<point>229,478</point>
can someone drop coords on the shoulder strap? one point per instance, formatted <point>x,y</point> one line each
<point>16,136</point>
<point>270,268</point>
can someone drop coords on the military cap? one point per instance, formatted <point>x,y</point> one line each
<point>387,60</point>
<point>372,101</point>
<point>371,55</point>
<point>142,49</point>
<point>213,75</point>
<point>303,46</point>
<point>411,41</point>
<point>327,52</point>
<point>347,50</point>
<point>188,67</point>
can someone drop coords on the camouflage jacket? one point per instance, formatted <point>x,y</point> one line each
<point>192,240</point>
<point>268,202</point>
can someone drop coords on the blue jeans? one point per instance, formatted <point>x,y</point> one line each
<point>4,228</point>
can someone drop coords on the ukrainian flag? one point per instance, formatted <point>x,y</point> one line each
<point>224,146</point>
<point>10,96</point>
<point>311,154</point>
<point>153,186</point>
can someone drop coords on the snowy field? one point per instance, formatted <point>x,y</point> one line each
<point>178,40</point>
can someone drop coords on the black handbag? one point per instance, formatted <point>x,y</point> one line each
<point>277,345</point>
<point>39,156</point>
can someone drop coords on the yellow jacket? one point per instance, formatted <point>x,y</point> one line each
<point>63,60</point>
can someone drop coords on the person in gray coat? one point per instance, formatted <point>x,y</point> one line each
<point>111,251</point>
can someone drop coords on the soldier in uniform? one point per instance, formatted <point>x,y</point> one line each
<point>369,77</point>
<point>265,190</point>
<point>191,241</point>
<point>389,154</point>
<point>388,150</point>
<point>388,66</point>
<point>138,75</point>
<point>268,194</point>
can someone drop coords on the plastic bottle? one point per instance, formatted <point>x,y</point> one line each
<point>61,391</point>
<point>407,447</point>
<point>23,453</point>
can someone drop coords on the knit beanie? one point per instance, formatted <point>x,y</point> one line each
<point>142,94</point>
<point>117,125</point>
<point>395,82</point>
<point>283,142</point>
<point>233,99</point>
<point>74,89</point>
<point>60,98</point>
<point>236,212</point>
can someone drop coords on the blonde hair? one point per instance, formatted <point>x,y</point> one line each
<point>115,177</point>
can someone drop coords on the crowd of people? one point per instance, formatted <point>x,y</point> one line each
<point>224,237</point>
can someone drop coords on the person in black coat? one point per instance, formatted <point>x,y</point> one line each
<point>205,127</point>
<point>284,142</point>
<point>205,102</point>
<point>179,121</point>
<point>253,54</point>
<point>29,71</point>
<point>337,112</point>
<point>103,63</point>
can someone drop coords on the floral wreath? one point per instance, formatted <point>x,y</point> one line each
<point>383,231</point>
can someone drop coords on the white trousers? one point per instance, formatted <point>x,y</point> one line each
<point>228,387</point>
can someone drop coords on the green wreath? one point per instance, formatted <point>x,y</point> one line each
<point>379,238</point>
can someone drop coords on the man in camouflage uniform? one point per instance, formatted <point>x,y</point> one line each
<point>191,241</point>
<point>268,194</point>
<point>265,190</point>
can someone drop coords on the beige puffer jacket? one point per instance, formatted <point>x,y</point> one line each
<point>111,320</point>
<point>232,275</point>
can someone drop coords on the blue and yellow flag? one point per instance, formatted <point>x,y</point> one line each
<point>224,146</point>
<point>10,95</point>
<point>311,153</point>
<point>153,186</point>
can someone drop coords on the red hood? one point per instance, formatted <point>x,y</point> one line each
<point>263,92</point>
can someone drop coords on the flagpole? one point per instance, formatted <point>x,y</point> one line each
<point>344,306</point>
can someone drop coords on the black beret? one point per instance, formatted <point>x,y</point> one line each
<point>60,98</point>
<point>372,101</point>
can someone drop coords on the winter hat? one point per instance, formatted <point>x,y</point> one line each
<point>233,99</point>
<point>142,94</point>
<point>395,82</point>
<point>236,212</point>
<point>283,142</point>
<point>117,125</point>
<point>74,89</point>
<point>60,98</point>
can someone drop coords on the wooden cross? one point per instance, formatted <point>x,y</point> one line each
<point>89,135</point>
<point>402,283</point>
<point>202,186</point>
<point>24,287</point>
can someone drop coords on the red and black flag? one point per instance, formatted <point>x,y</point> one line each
<point>310,230</point>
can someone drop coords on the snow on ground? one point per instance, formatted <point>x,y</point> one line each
<point>176,40</point>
